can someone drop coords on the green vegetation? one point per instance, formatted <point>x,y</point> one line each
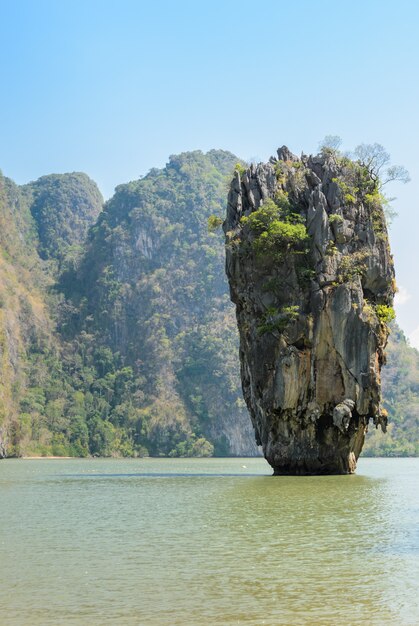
<point>240,168</point>
<point>385,313</point>
<point>276,229</point>
<point>348,190</point>
<point>214,222</point>
<point>331,248</point>
<point>278,320</point>
<point>351,267</point>
<point>335,218</point>
<point>378,205</point>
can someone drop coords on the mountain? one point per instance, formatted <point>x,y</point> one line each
<point>123,341</point>
<point>26,327</point>
<point>149,306</point>
<point>35,224</point>
<point>63,207</point>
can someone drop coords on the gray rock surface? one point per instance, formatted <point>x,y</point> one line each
<point>311,314</point>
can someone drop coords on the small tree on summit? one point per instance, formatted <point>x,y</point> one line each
<point>377,161</point>
<point>373,156</point>
<point>331,143</point>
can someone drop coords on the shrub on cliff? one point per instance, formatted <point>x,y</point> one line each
<point>276,230</point>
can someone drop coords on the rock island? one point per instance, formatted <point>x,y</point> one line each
<point>312,278</point>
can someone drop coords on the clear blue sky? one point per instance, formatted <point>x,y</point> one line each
<point>114,88</point>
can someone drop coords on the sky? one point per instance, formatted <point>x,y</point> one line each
<point>112,88</point>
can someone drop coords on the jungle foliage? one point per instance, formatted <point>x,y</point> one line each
<point>143,356</point>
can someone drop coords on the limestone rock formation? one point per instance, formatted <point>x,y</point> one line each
<point>311,274</point>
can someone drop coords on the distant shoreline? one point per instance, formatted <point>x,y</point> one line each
<point>37,458</point>
<point>119,458</point>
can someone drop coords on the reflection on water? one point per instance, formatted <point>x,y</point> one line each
<point>216,541</point>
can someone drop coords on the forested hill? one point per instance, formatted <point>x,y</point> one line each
<point>149,310</point>
<point>124,343</point>
<point>33,386</point>
<point>63,206</point>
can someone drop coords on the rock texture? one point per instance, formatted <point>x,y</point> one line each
<point>311,274</point>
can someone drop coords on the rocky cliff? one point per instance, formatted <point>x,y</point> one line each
<point>311,274</point>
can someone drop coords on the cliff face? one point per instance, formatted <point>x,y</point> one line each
<point>310,272</point>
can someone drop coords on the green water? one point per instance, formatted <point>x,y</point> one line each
<point>214,541</point>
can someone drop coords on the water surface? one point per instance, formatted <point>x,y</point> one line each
<point>207,541</point>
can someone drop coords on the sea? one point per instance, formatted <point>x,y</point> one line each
<point>217,541</point>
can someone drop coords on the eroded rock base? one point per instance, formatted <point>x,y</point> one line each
<point>327,453</point>
<point>342,465</point>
